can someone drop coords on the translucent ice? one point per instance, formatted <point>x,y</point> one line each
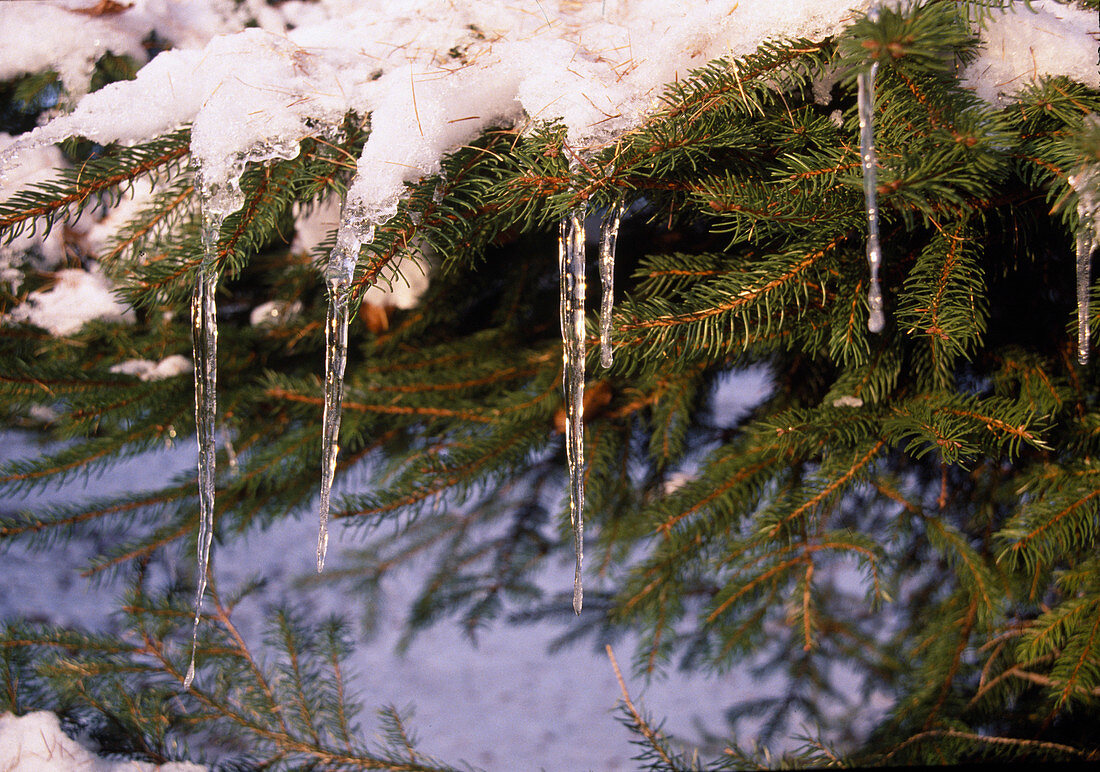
<point>571,271</point>
<point>338,275</point>
<point>866,99</point>
<point>609,236</point>
<point>204,331</point>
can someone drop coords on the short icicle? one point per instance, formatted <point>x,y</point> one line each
<point>571,264</point>
<point>204,330</point>
<point>609,235</point>
<point>338,277</point>
<point>876,321</point>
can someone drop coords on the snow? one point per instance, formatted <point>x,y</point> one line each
<point>274,313</point>
<point>35,743</point>
<point>148,370</point>
<point>77,297</point>
<point>449,70</point>
<point>1022,44</point>
<point>67,37</point>
<point>36,166</point>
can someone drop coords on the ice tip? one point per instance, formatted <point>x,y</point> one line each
<point>578,601</point>
<point>322,550</point>
<point>190,677</point>
<point>876,322</point>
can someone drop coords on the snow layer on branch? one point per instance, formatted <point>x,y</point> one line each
<point>77,297</point>
<point>36,743</point>
<point>1024,44</point>
<point>66,36</point>
<point>433,74</point>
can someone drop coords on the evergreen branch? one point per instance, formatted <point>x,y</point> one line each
<point>653,738</point>
<point>1014,743</point>
<point>967,628</point>
<point>77,186</point>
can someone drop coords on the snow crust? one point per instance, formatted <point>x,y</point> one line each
<point>35,743</point>
<point>77,297</point>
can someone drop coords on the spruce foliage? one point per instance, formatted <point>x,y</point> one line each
<point>919,506</point>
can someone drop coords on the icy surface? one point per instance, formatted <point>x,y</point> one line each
<point>76,297</point>
<point>400,283</point>
<point>35,743</point>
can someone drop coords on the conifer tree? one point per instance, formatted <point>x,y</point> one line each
<point>918,505</point>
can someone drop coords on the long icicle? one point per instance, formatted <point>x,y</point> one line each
<point>204,331</point>
<point>571,266</point>
<point>338,277</point>
<point>1088,220</point>
<point>609,236</point>
<point>876,321</point>
<point>1084,280</point>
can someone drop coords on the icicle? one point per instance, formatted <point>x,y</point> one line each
<point>866,100</point>
<point>571,270</point>
<point>338,277</point>
<point>609,235</point>
<point>1084,280</point>
<point>1088,225</point>
<point>204,331</point>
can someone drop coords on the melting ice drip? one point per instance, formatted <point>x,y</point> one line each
<point>1088,214</point>
<point>609,235</point>
<point>866,100</point>
<point>204,331</point>
<point>571,272</point>
<point>338,277</point>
